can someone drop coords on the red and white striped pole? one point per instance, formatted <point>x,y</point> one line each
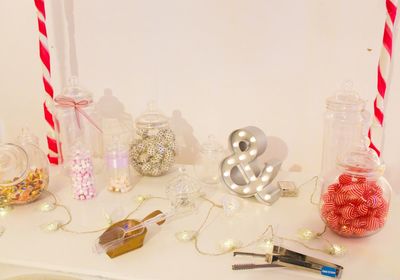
<point>48,103</point>
<point>375,132</point>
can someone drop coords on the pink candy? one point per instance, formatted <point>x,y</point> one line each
<point>354,206</point>
<point>82,175</point>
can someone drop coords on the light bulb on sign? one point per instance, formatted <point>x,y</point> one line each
<point>240,171</point>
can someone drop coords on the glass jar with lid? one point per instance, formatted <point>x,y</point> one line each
<point>207,167</point>
<point>183,192</point>
<point>355,199</point>
<point>345,125</point>
<point>152,152</point>
<point>76,117</point>
<point>24,173</point>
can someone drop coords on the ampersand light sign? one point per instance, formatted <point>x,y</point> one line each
<point>241,172</point>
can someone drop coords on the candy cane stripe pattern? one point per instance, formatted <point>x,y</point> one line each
<point>48,103</point>
<point>376,131</point>
<point>354,207</point>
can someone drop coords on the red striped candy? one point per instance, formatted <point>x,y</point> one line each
<point>344,222</point>
<point>356,190</point>
<point>361,222</point>
<point>328,206</point>
<point>383,209</point>
<point>326,197</point>
<point>349,212</point>
<point>374,201</point>
<point>372,224</point>
<point>362,209</point>
<point>333,188</point>
<point>345,179</point>
<point>340,199</point>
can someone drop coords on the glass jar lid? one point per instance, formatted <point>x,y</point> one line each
<point>346,100</point>
<point>74,91</point>
<point>211,145</point>
<point>152,117</point>
<point>182,186</point>
<point>361,162</point>
<point>13,164</point>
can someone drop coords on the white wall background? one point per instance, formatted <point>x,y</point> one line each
<point>223,64</point>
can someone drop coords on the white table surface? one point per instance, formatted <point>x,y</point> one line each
<point>163,257</point>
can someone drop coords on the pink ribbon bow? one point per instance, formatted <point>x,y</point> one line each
<point>68,102</point>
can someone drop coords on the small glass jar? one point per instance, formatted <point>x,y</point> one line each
<point>355,199</point>
<point>117,165</point>
<point>182,191</point>
<point>345,124</point>
<point>153,150</point>
<point>76,117</point>
<point>207,168</point>
<point>24,173</point>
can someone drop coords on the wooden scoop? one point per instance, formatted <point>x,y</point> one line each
<point>126,240</point>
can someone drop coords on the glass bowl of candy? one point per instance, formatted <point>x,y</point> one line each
<point>355,198</point>
<point>24,173</point>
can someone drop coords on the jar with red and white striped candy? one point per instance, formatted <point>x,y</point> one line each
<point>355,199</point>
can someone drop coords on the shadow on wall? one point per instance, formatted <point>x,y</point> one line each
<point>277,149</point>
<point>109,106</point>
<point>187,143</point>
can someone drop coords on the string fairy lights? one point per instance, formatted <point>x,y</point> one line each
<point>230,205</point>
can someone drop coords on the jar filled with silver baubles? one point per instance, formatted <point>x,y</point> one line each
<point>153,150</point>
<point>207,168</point>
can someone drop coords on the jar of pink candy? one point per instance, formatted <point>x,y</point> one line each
<point>355,198</point>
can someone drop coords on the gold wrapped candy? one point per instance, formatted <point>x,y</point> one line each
<point>25,190</point>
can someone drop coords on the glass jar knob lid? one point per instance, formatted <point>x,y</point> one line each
<point>346,99</point>
<point>211,145</point>
<point>74,91</point>
<point>152,117</point>
<point>361,161</point>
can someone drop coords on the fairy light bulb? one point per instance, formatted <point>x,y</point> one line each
<point>230,244</point>
<point>306,234</point>
<point>5,210</point>
<point>336,250</point>
<point>47,207</point>
<point>231,205</point>
<point>52,226</point>
<point>186,235</point>
<point>140,198</point>
<point>267,245</point>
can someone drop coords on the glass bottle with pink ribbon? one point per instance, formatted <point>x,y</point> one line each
<point>76,118</point>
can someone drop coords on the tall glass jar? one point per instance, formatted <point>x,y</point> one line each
<point>117,165</point>
<point>344,127</point>
<point>24,173</point>
<point>207,167</point>
<point>355,199</point>
<point>76,118</point>
<point>153,150</point>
